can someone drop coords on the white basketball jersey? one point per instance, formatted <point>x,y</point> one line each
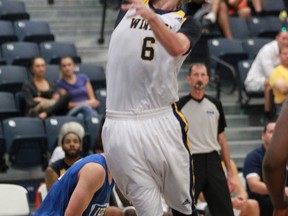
<point>141,74</point>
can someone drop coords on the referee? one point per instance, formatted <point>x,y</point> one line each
<point>206,122</point>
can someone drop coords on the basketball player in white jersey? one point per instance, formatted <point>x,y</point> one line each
<point>144,135</point>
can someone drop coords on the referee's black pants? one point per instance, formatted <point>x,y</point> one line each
<point>210,179</point>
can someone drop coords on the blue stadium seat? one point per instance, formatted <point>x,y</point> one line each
<point>20,102</point>
<point>239,27</point>
<point>95,73</point>
<point>12,78</point>
<point>7,33</point>
<point>266,26</point>
<point>52,73</point>
<point>53,126</point>
<point>101,96</point>
<point>19,53</point>
<point>3,165</point>
<point>225,55</point>
<point>92,126</point>
<point>253,45</point>
<point>8,106</point>
<point>53,51</point>
<point>273,7</point>
<point>243,68</point>
<point>33,31</point>
<point>2,60</point>
<point>13,10</point>
<point>26,142</point>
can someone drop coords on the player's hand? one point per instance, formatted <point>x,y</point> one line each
<point>140,9</point>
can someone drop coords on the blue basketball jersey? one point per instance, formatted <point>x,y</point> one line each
<point>56,201</point>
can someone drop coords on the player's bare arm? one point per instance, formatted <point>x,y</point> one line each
<point>181,43</point>
<point>274,163</point>
<point>90,179</point>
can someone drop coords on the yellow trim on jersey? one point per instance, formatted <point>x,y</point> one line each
<point>186,127</point>
<point>145,1</point>
<point>182,14</point>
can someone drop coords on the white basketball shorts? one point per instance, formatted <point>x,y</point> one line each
<point>148,155</point>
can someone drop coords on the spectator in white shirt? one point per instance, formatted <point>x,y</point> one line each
<point>265,61</point>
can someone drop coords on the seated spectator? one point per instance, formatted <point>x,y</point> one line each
<point>39,95</point>
<point>216,11</point>
<point>266,59</point>
<point>82,99</point>
<point>71,138</point>
<point>242,206</point>
<point>279,80</point>
<point>240,8</point>
<point>253,173</point>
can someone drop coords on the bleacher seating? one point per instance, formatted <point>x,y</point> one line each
<point>14,200</point>
<point>53,51</point>
<point>95,73</point>
<point>267,26</point>
<point>26,142</point>
<point>243,68</point>
<point>92,127</point>
<point>273,7</point>
<point>8,106</point>
<point>20,102</point>
<point>52,73</point>
<point>239,27</point>
<point>12,78</point>
<point>19,53</point>
<point>13,10</point>
<point>101,96</point>
<point>224,57</point>
<point>253,45</point>
<point>7,33</point>
<point>33,31</point>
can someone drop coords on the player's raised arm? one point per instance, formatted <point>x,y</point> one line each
<point>176,43</point>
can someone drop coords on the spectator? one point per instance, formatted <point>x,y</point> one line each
<point>39,95</point>
<point>242,206</point>
<point>70,139</point>
<point>279,80</point>
<point>266,59</point>
<point>78,86</point>
<point>275,165</point>
<point>252,171</point>
<point>240,8</point>
<point>206,121</point>
<point>84,189</point>
<point>211,12</point>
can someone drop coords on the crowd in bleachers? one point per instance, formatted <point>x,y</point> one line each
<point>21,40</point>
<point>229,49</point>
